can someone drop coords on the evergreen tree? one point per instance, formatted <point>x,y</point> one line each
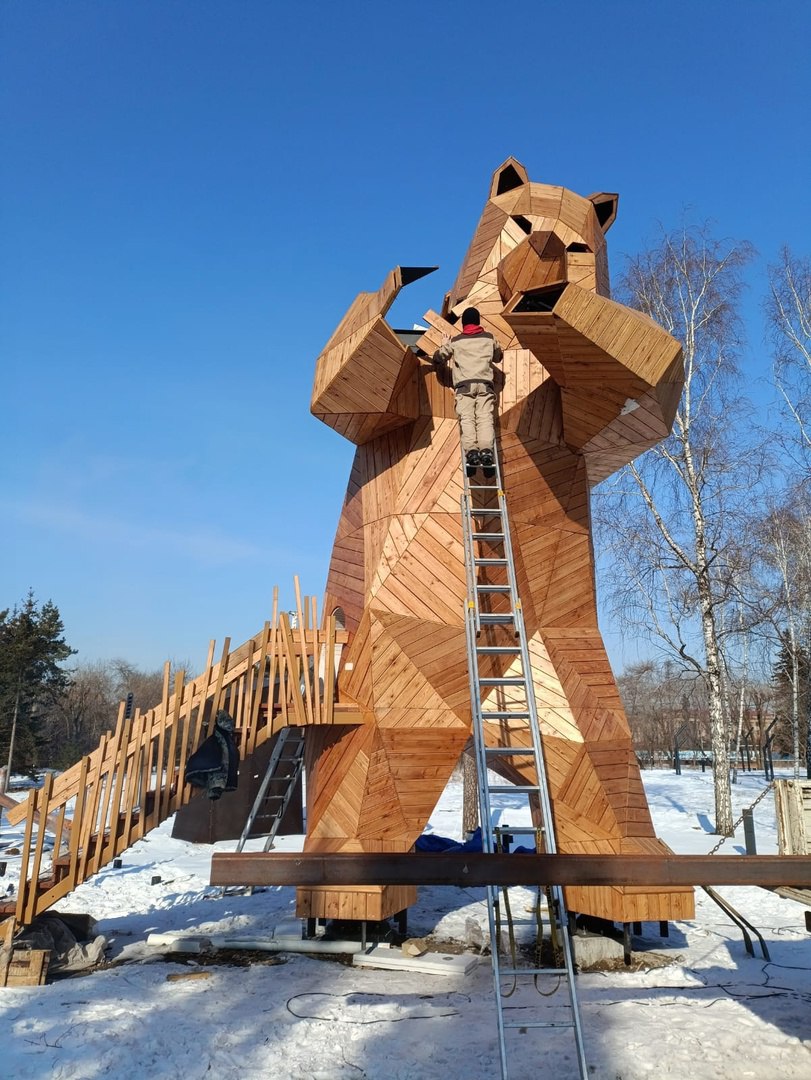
<point>32,647</point>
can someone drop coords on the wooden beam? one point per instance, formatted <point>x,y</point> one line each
<point>52,824</point>
<point>461,868</point>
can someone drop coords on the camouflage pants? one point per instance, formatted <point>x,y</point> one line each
<point>475,402</point>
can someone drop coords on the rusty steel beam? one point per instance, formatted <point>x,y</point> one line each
<point>461,868</point>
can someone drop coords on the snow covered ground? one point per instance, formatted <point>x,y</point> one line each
<point>713,1012</point>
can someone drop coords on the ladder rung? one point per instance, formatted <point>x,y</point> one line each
<point>505,716</point>
<point>493,588</point>
<point>517,680</point>
<point>522,829</point>
<point>510,789</point>
<point>508,751</point>
<point>560,972</point>
<point>498,650</point>
<point>538,1023</point>
<point>488,536</point>
<point>482,487</point>
<point>484,510</point>
<point>490,562</point>
<point>490,619</point>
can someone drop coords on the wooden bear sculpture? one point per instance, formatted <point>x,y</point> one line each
<point>587,385</point>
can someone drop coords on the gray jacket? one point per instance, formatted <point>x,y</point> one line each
<point>471,357</point>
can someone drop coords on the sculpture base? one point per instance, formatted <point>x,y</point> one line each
<point>629,903</point>
<point>370,902</point>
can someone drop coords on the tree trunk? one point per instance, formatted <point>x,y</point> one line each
<point>741,709</point>
<point>713,673</point>
<point>13,733</point>
<point>795,698</point>
<point>470,793</point>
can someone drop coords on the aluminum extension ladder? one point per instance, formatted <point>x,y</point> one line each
<point>495,629</point>
<point>278,784</point>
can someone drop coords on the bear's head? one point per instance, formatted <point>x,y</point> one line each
<point>532,240</point>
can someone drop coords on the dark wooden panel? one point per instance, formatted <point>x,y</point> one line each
<point>466,868</point>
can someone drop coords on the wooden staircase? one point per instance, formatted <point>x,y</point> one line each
<point>135,778</point>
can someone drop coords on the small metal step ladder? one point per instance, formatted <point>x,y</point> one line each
<point>277,787</point>
<point>496,642</point>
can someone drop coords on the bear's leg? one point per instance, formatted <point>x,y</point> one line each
<point>372,788</point>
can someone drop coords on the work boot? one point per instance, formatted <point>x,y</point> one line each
<point>488,464</point>
<point>472,462</point>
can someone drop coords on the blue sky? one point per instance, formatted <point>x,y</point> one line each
<point>193,191</point>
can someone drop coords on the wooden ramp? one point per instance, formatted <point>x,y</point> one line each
<point>135,778</point>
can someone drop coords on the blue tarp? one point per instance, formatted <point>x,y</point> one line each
<point>432,842</point>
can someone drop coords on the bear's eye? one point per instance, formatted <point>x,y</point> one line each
<point>579,247</point>
<point>522,223</point>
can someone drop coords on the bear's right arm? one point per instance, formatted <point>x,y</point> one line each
<point>363,376</point>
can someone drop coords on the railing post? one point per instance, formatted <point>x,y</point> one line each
<point>749,831</point>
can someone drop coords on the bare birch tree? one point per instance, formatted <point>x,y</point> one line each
<point>788,310</point>
<point>672,515</point>
<point>784,537</point>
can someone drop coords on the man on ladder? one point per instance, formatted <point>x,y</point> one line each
<point>472,355</point>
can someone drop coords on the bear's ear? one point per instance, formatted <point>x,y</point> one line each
<point>605,204</point>
<point>511,174</point>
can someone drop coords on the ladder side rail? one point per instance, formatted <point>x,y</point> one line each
<point>485,819</point>
<point>485,813</point>
<point>292,779</point>
<point>469,548</point>
<point>472,629</point>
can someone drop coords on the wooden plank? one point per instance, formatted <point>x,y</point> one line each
<point>144,777</point>
<point>793,804</point>
<point>87,824</point>
<point>475,869</point>
<point>274,669</point>
<point>112,787</point>
<point>305,660</point>
<point>292,674</point>
<point>154,817</point>
<point>253,740</point>
<point>164,795</point>
<point>191,742</point>
<point>31,868</point>
<point>181,796</point>
<point>20,809</point>
<point>7,928</point>
<point>317,649</point>
<point>134,773</point>
<point>78,815</point>
<point>330,674</point>
<point>204,729</point>
<point>27,967</point>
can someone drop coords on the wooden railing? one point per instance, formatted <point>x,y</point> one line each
<point>135,778</point>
